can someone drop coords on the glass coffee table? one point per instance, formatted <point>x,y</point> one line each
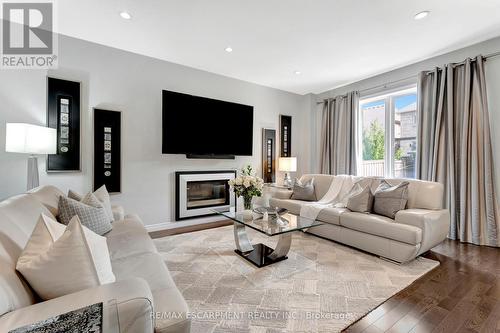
<point>259,254</point>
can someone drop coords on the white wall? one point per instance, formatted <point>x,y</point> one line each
<point>118,80</point>
<point>492,68</point>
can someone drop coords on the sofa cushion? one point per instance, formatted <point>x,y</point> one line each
<point>331,215</point>
<point>128,238</point>
<point>18,217</point>
<point>14,291</point>
<point>48,195</point>
<point>166,297</point>
<point>170,300</point>
<point>23,211</point>
<point>381,226</point>
<point>148,266</point>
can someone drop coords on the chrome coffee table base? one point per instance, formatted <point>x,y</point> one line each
<point>259,254</point>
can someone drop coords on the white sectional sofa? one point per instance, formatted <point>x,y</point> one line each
<point>415,230</point>
<point>145,293</point>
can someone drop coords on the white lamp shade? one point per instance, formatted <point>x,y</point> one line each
<point>287,164</point>
<point>30,139</point>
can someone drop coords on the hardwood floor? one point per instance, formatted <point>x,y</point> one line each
<point>461,295</point>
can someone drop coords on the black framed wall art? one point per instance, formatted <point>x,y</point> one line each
<point>268,155</point>
<point>63,114</point>
<point>107,149</point>
<point>285,136</point>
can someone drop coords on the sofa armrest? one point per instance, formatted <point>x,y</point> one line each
<point>118,212</point>
<point>434,224</point>
<point>133,298</point>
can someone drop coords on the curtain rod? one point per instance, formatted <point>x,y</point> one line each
<point>486,57</point>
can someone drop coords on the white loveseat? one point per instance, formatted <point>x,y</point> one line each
<point>415,230</point>
<point>145,293</point>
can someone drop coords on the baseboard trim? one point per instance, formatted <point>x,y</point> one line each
<point>188,228</point>
<point>183,223</point>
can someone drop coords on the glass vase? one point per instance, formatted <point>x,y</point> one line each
<point>247,202</point>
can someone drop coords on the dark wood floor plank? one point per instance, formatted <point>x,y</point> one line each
<point>433,317</point>
<point>461,295</point>
<point>388,320</point>
<point>480,315</point>
<point>411,319</point>
<point>492,323</point>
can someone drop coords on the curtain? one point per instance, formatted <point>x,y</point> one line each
<point>338,134</point>
<point>455,148</point>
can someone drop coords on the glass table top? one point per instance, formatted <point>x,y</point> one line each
<point>273,226</point>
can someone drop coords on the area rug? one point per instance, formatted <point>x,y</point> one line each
<point>322,286</point>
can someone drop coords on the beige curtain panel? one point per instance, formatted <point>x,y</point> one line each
<point>338,134</point>
<point>455,148</point>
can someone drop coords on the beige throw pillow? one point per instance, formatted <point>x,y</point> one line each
<point>360,199</point>
<point>59,260</point>
<point>390,199</point>
<point>304,191</point>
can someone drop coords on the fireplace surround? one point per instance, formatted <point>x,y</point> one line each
<point>197,192</point>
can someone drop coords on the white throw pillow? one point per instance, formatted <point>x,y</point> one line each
<point>57,262</point>
<point>102,195</point>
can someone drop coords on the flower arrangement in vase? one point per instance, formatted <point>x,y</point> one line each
<point>247,185</point>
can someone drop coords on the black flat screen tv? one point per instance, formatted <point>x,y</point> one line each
<point>205,128</point>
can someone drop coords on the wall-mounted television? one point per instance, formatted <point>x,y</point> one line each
<point>202,127</point>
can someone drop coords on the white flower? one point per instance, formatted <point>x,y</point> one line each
<point>246,183</point>
<point>231,182</point>
<point>238,181</point>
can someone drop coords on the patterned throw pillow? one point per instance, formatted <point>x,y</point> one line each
<point>102,195</point>
<point>390,199</point>
<point>90,211</point>
<point>74,195</point>
<point>304,192</point>
<point>360,199</point>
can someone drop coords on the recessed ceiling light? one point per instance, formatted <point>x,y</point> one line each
<point>229,49</point>
<point>421,15</point>
<point>297,72</point>
<point>125,15</point>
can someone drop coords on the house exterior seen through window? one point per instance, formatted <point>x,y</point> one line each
<point>389,125</point>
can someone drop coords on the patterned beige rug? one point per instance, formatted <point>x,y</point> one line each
<point>322,287</point>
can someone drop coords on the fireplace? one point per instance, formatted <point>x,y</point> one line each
<point>197,192</point>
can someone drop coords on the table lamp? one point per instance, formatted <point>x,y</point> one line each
<point>287,164</point>
<point>30,139</point>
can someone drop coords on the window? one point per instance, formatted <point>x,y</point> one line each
<point>389,126</point>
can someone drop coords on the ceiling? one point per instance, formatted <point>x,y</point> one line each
<point>331,42</point>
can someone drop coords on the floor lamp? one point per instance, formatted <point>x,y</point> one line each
<point>33,140</point>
